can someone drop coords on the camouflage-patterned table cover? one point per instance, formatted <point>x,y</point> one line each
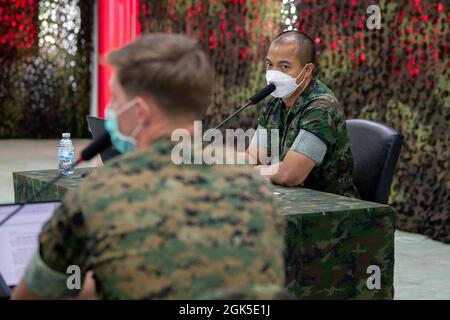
<point>331,240</point>
<point>29,183</point>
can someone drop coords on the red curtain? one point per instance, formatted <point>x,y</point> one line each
<point>117,25</point>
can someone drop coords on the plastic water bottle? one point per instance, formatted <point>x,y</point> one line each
<point>66,155</point>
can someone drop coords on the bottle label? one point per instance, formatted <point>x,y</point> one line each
<point>66,155</point>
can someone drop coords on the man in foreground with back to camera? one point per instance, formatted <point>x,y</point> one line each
<point>314,149</point>
<point>144,227</point>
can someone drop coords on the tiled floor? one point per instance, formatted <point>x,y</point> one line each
<point>422,266</point>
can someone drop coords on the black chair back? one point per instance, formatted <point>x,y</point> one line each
<point>376,149</point>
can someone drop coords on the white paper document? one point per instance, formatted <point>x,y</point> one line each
<point>19,237</point>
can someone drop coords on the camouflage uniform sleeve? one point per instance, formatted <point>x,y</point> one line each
<point>319,121</point>
<point>262,118</point>
<point>62,243</point>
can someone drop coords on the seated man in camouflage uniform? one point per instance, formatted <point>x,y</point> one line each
<point>314,149</point>
<point>145,227</point>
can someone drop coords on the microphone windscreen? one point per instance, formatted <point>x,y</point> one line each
<point>96,146</point>
<point>261,94</point>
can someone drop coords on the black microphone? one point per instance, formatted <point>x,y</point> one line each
<point>261,94</point>
<point>256,98</point>
<point>97,146</point>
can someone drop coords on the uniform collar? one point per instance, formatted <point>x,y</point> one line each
<point>306,96</point>
<point>315,90</point>
<point>162,145</point>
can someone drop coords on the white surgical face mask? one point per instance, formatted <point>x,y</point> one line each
<point>284,83</point>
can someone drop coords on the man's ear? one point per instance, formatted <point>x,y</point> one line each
<point>309,69</point>
<point>144,110</point>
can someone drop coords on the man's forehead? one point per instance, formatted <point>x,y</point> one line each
<point>283,51</point>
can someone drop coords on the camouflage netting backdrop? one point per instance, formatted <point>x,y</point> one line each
<point>398,75</point>
<point>45,54</point>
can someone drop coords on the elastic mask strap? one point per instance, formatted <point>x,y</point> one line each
<point>301,72</point>
<point>301,82</point>
<point>125,107</point>
<point>136,131</point>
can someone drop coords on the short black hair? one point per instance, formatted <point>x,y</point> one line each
<point>306,49</point>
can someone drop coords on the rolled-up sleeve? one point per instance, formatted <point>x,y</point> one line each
<point>259,139</point>
<point>311,146</point>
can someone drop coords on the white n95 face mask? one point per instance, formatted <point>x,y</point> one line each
<point>284,83</point>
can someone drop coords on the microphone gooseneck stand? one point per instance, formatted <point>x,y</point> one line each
<point>256,98</point>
